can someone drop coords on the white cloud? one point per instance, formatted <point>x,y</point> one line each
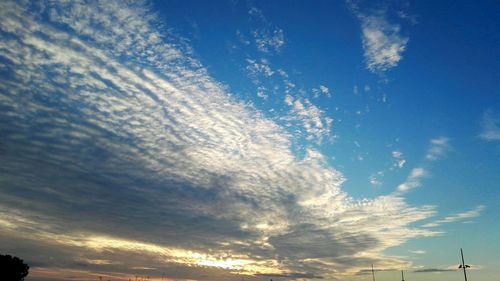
<point>261,92</point>
<point>476,212</point>
<point>382,42</point>
<point>374,179</point>
<point>324,90</point>
<point>397,154</point>
<point>314,120</point>
<point>418,252</point>
<point>413,180</point>
<point>437,148</point>
<point>417,173</point>
<point>490,126</point>
<point>400,163</point>
<point>398,158</point>
<point>121,140</point>
<point>268,38</point>
<point>259,68</point>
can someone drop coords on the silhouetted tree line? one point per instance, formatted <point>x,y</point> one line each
<point>12,268</point>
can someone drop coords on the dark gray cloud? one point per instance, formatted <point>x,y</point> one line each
<point>426,270</point>
<point>304,239</point>
<point>292,276</point>
<point>369,271</point>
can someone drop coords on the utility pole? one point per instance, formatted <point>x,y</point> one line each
<point>402,276</point>
<point>373,273</point>
<point>463,265</point>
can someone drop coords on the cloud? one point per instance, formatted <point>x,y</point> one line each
<point>324,90</point>
<point>257,71</point>
<point>242,38</point>
<point>476,212</point>
<point>261,92</point>
<point>355,90</point>
<point>314,120</point>
<point>418,252</point>
<point>382,42</point>
<point>437,148</point>
<point>413,180</point>
<point>368,271</point>
<point>268,38</point>
<point>375,178</point>
<point>490,126</point>
<point>255,68</point>
<point>437,270</point>
<point>291,276</point>
<point>398,157</point>
<point>118,146</point>
<point>397,154</point>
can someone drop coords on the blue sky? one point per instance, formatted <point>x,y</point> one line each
<point>197,140</point>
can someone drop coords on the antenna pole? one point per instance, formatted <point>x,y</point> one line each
<point>463,264</point>
<point>373,273</point>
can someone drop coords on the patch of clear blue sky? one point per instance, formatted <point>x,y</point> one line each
<point>446,80</point>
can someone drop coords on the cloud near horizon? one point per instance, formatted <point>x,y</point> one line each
<point>121,153</point>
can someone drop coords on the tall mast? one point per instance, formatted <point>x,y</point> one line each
<point>463,264</point>
<point>373,273</point>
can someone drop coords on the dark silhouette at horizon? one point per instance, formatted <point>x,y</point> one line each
<point>12,268</point>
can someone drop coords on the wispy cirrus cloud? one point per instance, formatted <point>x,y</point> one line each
<point>120,147</point>
<point>490,125</point>
<point>476,212</point>
<point>414,180</point>
<point>445,268</point>
<point>398,162</point>
<point>437,148</point>
<point>418,252</point>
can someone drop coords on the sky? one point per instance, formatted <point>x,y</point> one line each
<point>250,140</point>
